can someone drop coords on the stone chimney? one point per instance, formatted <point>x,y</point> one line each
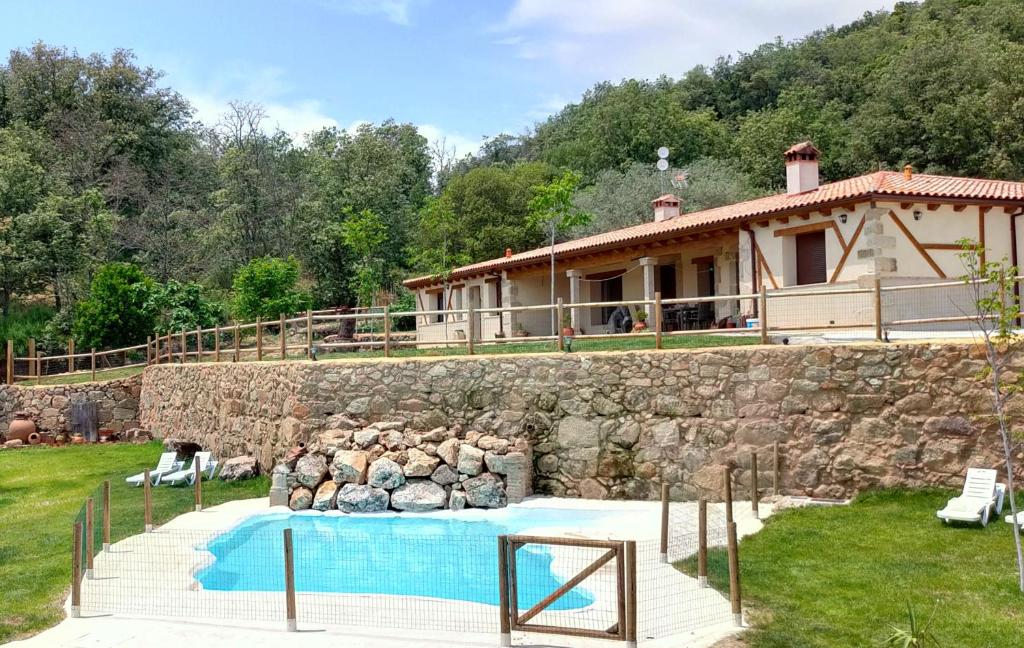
<point>801,168</point>
<point>665,207</point>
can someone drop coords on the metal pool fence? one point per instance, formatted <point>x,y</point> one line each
<point>411,582</point>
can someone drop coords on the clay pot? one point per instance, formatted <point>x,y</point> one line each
<point>640,326</point>
<point>21,427</point>
<point>568,331</point>
<point>34,438</point>
<point>77,439</point>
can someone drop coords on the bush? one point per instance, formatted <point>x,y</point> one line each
<point>118,311</point>
<point>24,321</point>
<point>267,287</point>
<point>183,307</point>
<point>405,302</point>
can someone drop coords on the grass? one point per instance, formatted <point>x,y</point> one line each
<point>78,378</point>
<point>818,577</point>
<point>41,492</point>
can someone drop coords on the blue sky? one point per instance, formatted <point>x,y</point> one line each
<point>458,69</point>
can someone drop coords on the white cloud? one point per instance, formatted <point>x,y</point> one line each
<point>462,144</point>
<point>610,39</point>
<point>396,11</point>
<point>297,118</point>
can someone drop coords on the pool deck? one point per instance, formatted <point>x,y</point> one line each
<point>121,606</point>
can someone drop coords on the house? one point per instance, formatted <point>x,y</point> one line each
<point>901,228</point>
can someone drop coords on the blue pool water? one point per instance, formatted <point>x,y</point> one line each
<point>446,556</point>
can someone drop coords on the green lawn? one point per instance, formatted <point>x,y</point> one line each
<point>41,492</point>
<point>840,576</point>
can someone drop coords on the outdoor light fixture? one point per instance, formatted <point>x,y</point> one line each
<point>842,218</point>
<point>917,214</point>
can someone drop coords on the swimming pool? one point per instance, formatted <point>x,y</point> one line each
<point>450,556</point>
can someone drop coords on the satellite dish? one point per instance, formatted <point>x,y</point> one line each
<point>663,153</point>
<point>662,165</point>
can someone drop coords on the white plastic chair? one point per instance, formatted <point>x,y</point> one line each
<point>168,464</point>
<point>981,495</point>
<point>188,475</point>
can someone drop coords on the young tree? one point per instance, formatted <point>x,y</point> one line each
<point>267,287</point>
<point>552,209</point>
<point>995,315</point>
<point>365,234</point>
<point>182,307</point>
<point>117,312</point>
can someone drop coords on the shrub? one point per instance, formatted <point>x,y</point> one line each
<point>267,287</point>
<point>118,311</point>
<point>183,306</point>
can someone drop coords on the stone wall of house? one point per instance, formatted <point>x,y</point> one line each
<point>48,406</point>
<point>616,424</point>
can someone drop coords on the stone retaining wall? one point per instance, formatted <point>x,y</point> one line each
<point>616,424</point>
<point>48,406</point>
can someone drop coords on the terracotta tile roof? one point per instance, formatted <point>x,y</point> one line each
<point>880,185</point>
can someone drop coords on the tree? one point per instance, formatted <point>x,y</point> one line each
<point>552,210</point>
<point>180,306</point>
<point>118,311</point>
<point>995,314</point>
<point>366,235</point>
<point>268,286</point>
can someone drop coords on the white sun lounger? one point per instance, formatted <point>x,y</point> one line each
<point>981,496</point>
<point>188,475</point>
<point>168,463</point>
<point>1020,519</point>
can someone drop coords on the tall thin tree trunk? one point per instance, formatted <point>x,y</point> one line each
<point>1004,435</point>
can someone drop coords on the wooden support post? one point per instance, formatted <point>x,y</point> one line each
<point>76,570</point>
<point>32,366</point>
<point>237,343</point>
<point>775,468</point>
<point>259,339</point>
<point>216,343</point>
<point>504,621</point>
<point>106,515</point>
<point>198,484</point>
<point>170,348</point>
<point>734,575</point>
<point>631,594</point>
<point>289,582</point>
<point>470,329</point>
<point>156,350</point>
<point>878,309</point>
<point>184,347</point>
<point>71,352</point>
<point>387,331</point>
<point>90,535</point>
<point>763,314</point>
<point>309,334</point>
<point>147,502</point>
<point>282,334</point>
<point>9,364</point>
<point>92,363</point>
<point>199,344</point>
<point>149,350</point>
<point>558,329</point>
<point>657,319</point>
<point>753,486</point>
<point>664,523</point>
<point>702,542</point>
<point>728,494</point>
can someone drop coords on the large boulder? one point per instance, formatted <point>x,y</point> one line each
<point>349,467</point>
<point>360,498</point>
<point>485,491</point>
<point>471,460</point>
<point>385,473</point>
<point>238,468</point>
<point>301,499</point>
<point>418,495</point>
<point>366,437</point>
<point>495,462</point>
<point>445,475</point>
<point>457,500</point>
<point>324,498</point>
<point>449,451</point>
<point>420,464</point>
<point>310,470</point>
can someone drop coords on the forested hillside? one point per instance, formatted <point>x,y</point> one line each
<point>108,185</point>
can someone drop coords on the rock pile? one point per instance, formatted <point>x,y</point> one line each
<point>385,465</point>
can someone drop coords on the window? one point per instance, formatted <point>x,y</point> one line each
<point>439,306</point>
<point>810,258</point>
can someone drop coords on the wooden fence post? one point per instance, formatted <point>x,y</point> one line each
<point>184,347</point>
<point>558,327</point>
<point>198,484</point>
<point>199,344</point>
<point>282,334</point>
<point>90,535</point>
<point>9,364</point>
<point>734,575</point>
<point>289,581</point>
<point>71,352</point>
<point>631,594</point>
<point>387,331</point>
<point>504,621</point>
<point>309,334</point>
<point>32,358</point>
<point>149,350</point>
<point>106,515</point>
<point>728,494</point>
<point>216,343</point>
<point>470,328</point>
<point>259,339</point>
<point>753,486</point>
<point>878,309</point>
<point>702,542</point>
<point>92,363</point>
<point>76,570</point>
<point>156,350</point>
<point>763,313</point>
<point>664,523</point>
<point>147,502</point>
<point>658,319</point>
<point>775,468</point>
<point>237,344</point>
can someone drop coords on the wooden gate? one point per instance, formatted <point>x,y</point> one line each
<point>621,553</point>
